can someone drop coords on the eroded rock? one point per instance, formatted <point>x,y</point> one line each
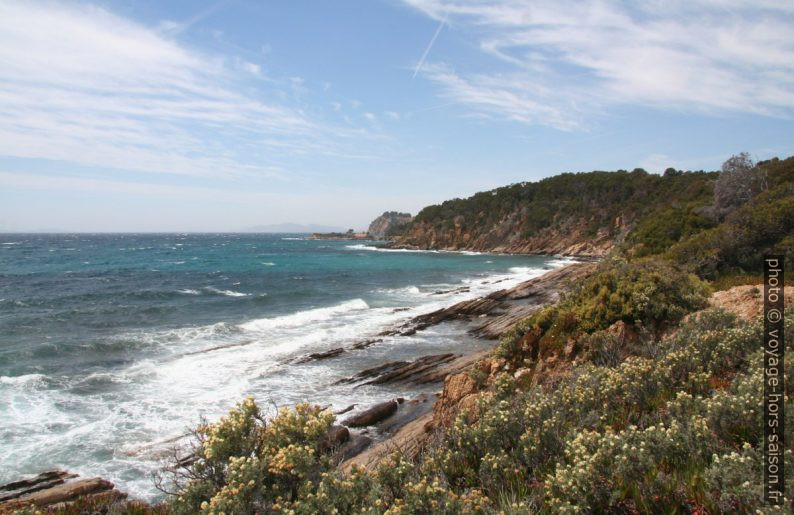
<point>372,415</point>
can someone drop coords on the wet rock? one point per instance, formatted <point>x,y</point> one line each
<point>466,310</point>
<point>463,289</point>
<point>523,300</point>
<point>320,355</point>
<point>363,344</point>
<point>407,412</point>
<point>355,446</point>
<point>413,371</point>
<point>27,486</point>
<point>373,372</point>
<point>372,415</point>
<point>337,435</point>
<point>62,492</point>
<point>345,410</point>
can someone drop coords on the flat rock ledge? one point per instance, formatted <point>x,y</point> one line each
<point>54,489</point>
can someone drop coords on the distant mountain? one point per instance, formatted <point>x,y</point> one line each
<point>294,228</point>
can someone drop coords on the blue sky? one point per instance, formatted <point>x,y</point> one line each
<point>145,115</point>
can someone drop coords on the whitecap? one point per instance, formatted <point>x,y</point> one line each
<point>227,293</point>
<point>407,290</point>
<point>188,291</point>
<point>303,317</point>
<point>268,263</point>
<point>361,246</point>
<point>22,380</point>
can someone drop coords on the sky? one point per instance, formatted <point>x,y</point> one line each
<point>144,115</point>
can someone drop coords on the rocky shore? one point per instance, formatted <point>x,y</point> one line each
<point>55,490</point>
<point>407,425</point>
<point>365,436</point>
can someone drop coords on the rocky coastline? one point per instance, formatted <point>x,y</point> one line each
<point>363,437</point>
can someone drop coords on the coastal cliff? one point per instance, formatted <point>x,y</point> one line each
<point>388,224</point>
<point>584,214</point>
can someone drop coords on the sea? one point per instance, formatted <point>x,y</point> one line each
<point>112,346</point>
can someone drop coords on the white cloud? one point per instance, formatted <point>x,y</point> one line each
<point>558,61</point>
<point>657,163</point>
<point>80,84</point>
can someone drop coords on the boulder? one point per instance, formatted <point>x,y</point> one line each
<point>456,387</point>
<point>66,492</point>
<point>372,415</point>
<point>337,435</point>
<point>42,481</point>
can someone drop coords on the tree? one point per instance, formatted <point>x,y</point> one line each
<point>736,184</point>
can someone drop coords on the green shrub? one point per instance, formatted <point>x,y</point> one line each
<point>737,246</point>
<point>648,292</point>
<point>245,464</point>
<point>658,231</point>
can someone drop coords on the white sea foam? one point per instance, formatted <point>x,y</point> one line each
<point>268,263</point>
<point>228,293</point>
<point>27,379</point>
<point>561,261</point>
<point>181,336</point>
<point>301,318</point>
<point>12,242</point>
<point>188,291</point>
<point>246,359</point>
<point>293,239</point>
<point>361,246</point>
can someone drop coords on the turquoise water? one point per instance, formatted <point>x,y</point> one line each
<point>111,346</point>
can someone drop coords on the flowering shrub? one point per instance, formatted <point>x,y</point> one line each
<point>636,436</point>
<point>245,464</point>
<point>675,430</point>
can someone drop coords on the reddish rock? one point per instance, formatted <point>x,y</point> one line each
<point>456,387</point>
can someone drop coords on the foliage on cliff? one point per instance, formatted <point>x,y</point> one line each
<point>590,202</point>
<point>648,293</point>
<point>677,429</point>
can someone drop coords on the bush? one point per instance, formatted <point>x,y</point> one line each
<point>650,434</point>
<point>245,464</point>
<point>649,293</point>
<point>737,246</point>
<point>657,232</point>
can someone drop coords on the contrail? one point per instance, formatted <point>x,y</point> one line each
<point>430,45</point>
<point>185,25</point>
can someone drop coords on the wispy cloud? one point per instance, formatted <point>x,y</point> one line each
<point>556,62</point>
<point>80,84</point>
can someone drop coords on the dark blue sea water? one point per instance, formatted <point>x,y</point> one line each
<point>112,345</point>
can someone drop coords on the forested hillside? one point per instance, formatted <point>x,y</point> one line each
<point>574,213</point>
